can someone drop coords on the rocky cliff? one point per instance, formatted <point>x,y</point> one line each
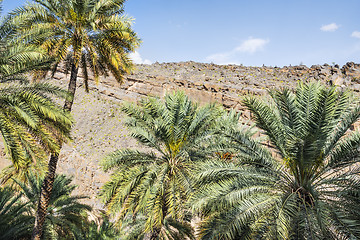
<point>100,129</point>
<point>223,83</point>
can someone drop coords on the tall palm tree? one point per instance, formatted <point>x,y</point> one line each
<point>86,34</point>
<point>156,182</point>
<point>31,123</point>
<point>66,216</point>
<point>306,186</point>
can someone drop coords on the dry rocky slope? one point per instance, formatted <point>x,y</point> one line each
<point>100,129</point>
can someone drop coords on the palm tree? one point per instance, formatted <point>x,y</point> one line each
<point>86,34</point>
<point>65,216</point>
<point>17,59</point>
<point>156,182</point>
<point>305,186</point>
<point>103,229</point>
<point>14,222</point>
<point>31,123</point>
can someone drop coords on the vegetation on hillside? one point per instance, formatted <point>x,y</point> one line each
<point>202,173</point>
<point>302,184</point>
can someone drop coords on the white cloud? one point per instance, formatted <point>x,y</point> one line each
<point>249,46</point>
<point>252,45</point>
<point>220,58</point>
<point>330,27</point>
<point>136,57</point>
<point>355,34</point>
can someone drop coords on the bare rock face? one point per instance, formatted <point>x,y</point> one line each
<point>224,84</point>
<point>100,130</point>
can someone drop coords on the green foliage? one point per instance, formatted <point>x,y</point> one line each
<point>156,182</point>
<point>90,34</point>
<point>16,58</point>
<point>66,215</point>
<point>14,223</point>
<point>84,34</point>
<point>132,227</point>
<point>305,186</point>
<point>103,229</point>
<point>31,123</point>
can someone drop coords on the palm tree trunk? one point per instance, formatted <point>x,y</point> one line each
<point>48,183</point>
<point>44,198</point>
<point>71,88</point>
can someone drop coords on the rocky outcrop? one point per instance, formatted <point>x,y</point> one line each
<point>223,83</point>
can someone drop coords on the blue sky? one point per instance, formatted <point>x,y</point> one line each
<point>252,33</point>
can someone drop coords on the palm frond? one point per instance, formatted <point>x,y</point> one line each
<point>308,189</point>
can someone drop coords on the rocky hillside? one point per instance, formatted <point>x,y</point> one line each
<point>100,129</point>
<point>223,83</point>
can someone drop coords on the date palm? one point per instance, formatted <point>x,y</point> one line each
<point>85,34</point>
<point>31,123</point>
<point>305,186</point>
<point>156,182</point>
<point>66,214</point>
